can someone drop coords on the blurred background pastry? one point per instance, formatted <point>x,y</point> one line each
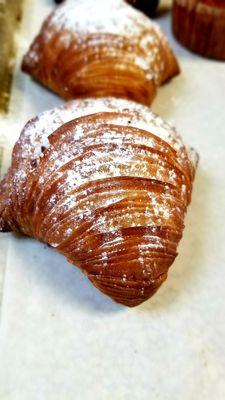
<point>200,26</point>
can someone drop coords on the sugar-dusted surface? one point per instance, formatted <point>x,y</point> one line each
<point>94,48</point>
<point>115,17</point>
<point>104,183</point>
<point>36,132</point>
<point>141,117</point>
<point>92,19</point>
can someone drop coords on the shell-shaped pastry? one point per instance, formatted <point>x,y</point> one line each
<point>200,26</point>
<point>100,48</point>
<point>108,189</point>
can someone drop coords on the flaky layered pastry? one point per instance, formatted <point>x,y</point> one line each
<point>100,48</point>
<point>200,26</point>
<point>109,190</point>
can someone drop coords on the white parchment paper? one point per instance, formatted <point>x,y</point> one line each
<point>60,339</point>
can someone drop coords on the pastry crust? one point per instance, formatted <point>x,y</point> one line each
<point>95,48</point>
<point>200,26</point>
<point>109,190</point>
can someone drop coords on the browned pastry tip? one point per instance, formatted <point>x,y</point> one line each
<point>200,26</point>
<point>113,51</point>
<point>109,190</point>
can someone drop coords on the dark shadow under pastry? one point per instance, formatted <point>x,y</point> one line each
<point>148,7</point>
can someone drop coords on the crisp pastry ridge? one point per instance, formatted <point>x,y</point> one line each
<point>100,48</point>
<point>108,189</point>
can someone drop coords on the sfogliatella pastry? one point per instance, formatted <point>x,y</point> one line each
<point>98,48</point>
<point>149,7</point>
<point>200,26</point>
<point>109,190</point>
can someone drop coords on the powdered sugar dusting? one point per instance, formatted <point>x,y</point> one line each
<point>109,189</point>
<point>34,139</point>
<point>142,118</point>
<point>76,19</point>
<point>113,16</point>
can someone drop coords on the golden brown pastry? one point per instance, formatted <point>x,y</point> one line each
<point>100,48</point>
<point>109,190</point>
<point>200,26</point>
